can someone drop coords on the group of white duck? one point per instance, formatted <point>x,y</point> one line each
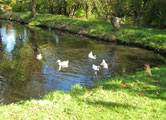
<point>97,67</point>
<point>63,64</point>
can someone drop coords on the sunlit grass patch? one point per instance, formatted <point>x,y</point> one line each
<point>148,37</point>
<point>139,96</point>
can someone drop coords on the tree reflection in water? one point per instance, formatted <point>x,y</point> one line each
<point>25,77</point>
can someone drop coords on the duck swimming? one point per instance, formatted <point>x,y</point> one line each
<point>39,57</point>
<point>104,64</point>
<point>95,68</point>
<point>90,55</point>
<point>62,64</point>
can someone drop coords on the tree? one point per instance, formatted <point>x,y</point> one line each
<point>106,7</point>
<point>154,14</point>
<point>71,6</point>
<point>87,4</point>
<point>138,7</point>
<point>34,8</point>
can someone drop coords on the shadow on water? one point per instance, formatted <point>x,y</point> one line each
<point>22,76</point>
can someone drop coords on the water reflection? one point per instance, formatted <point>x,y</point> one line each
<point>57,40</point>
<point>25,77</point>
<point>8,38</point>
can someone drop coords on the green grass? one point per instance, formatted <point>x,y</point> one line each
<point>134,97</point>
<point>20,17</point>
<point>155,38</point>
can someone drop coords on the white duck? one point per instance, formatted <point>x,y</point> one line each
<point>104,64</point>
<point>39,57</point>
<point>62,64</point>
<point>96,68</point>
<point>90,55</point>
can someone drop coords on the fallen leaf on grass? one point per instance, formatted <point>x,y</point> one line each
<point>142,94</point>
<point>102,110</point>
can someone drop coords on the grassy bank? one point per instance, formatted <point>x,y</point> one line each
<point>146,37</point>
<point>134,97</point>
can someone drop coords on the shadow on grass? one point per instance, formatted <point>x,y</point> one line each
<point>141,84</point>
<point>110,105</point>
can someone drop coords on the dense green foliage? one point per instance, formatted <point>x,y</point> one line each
<point>138,96</point>
<point>142,12</point>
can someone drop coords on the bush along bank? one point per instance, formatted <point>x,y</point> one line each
<point>152,39</point>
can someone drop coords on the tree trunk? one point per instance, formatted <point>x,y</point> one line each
<point>64,7</point>
<point>72,11</point>
<point>87,11</point>
<point>139,13</point>
<point>137,20</point>
<point>51,9</point>
<point>34,8</point>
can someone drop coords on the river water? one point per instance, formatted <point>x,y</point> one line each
<point>23,77</point>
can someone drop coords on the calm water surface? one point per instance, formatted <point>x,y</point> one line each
<point>22,76</point>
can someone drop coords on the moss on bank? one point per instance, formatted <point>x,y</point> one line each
<point>145,37</point>
<point>135,97</point>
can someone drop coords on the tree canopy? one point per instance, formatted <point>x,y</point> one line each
<point>142,12</point>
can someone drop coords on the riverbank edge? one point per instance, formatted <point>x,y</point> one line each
<point>139,96</point>
<point>83,32</point>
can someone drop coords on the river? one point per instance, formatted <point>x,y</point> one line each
<point>23,77</point>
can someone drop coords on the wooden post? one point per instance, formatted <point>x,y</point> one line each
<point>147,69</point>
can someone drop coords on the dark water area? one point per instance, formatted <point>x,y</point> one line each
<point>23,77</point>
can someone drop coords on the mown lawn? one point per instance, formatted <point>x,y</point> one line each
<point>135,97</point>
